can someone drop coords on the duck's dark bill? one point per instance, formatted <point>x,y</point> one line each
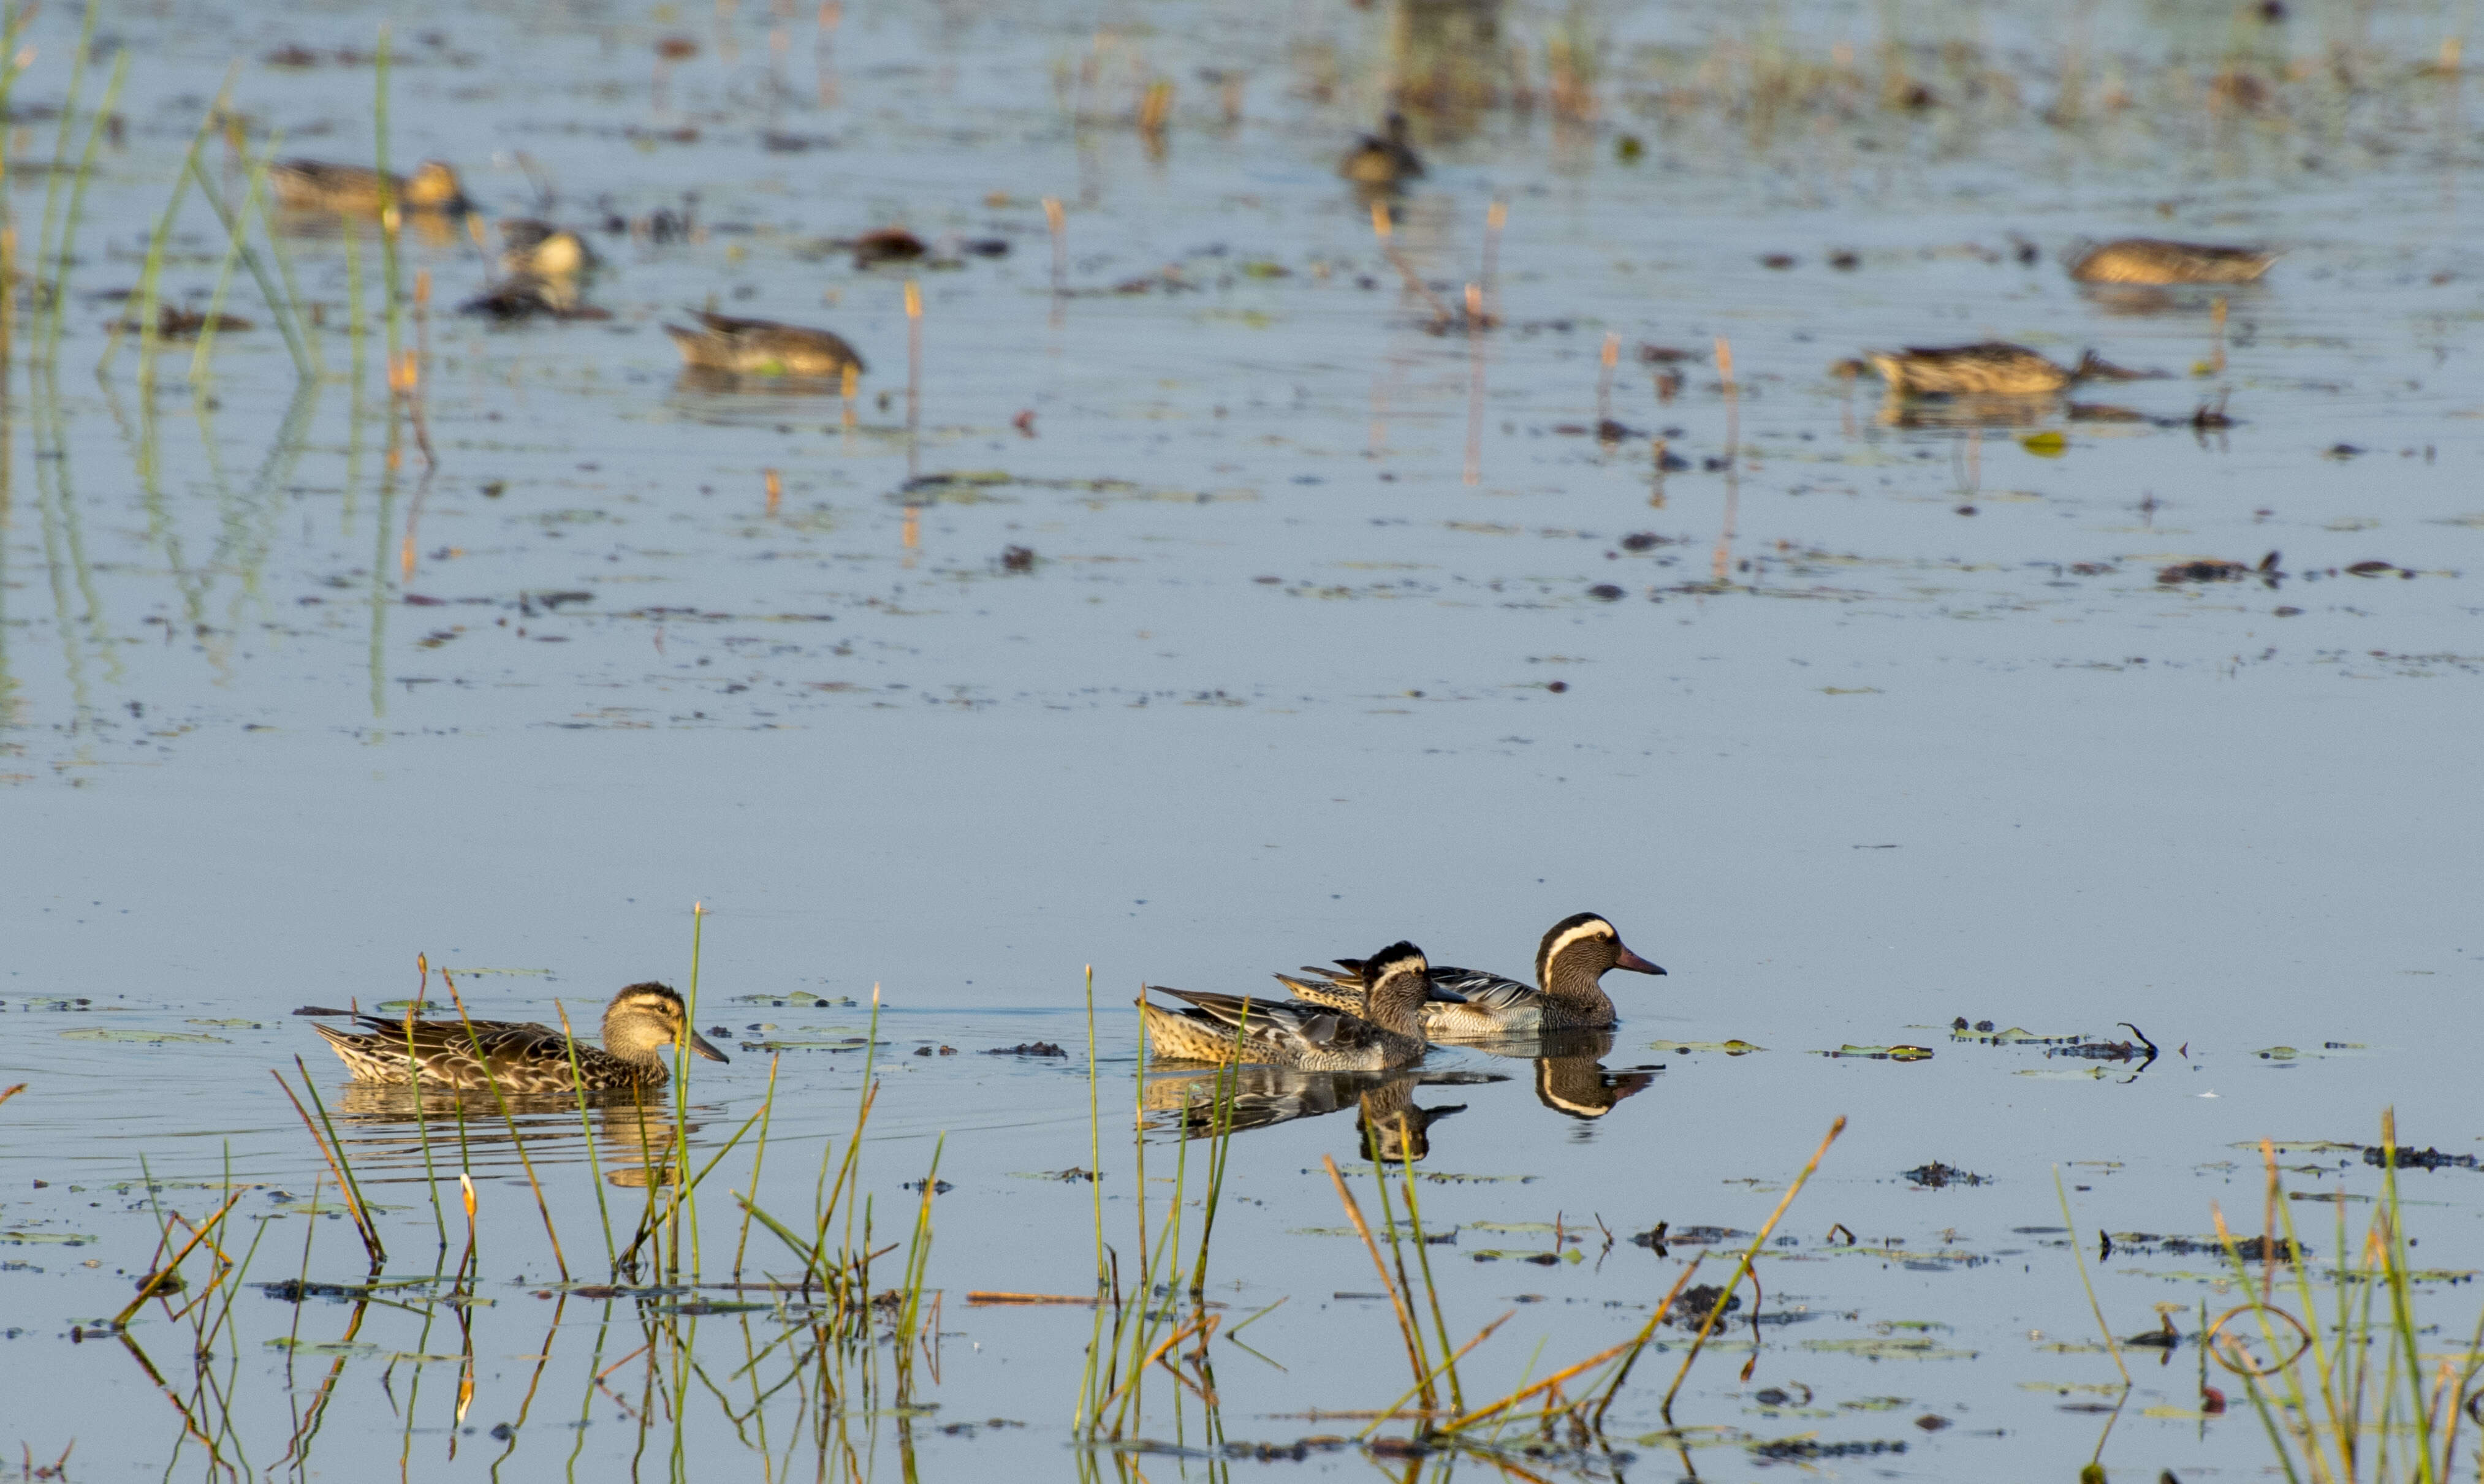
<point>699,1044</point>
<point>1624,958</point>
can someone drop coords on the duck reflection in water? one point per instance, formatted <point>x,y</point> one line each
<point>1191,1103</point>
<point>385,1128</point>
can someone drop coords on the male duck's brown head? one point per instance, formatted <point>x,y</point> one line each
<point>1580,950</point>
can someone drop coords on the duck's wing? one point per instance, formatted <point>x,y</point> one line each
<point>1317,1025</point>
<point>1479,989</point>
<point>1325,987</point>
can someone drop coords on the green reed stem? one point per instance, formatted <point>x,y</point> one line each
<point>59,293</point>
<point>766,1109</point>
<point>1431,1291</point>
<point>492,1080</point>
<point>237,227</point>
<point>391,217</point>
<point>423,1129</point>
<point>2112,1345</point>
<point>341,1165</point>
<point>151,277</point>
<point>687,1198</point>
<point>586,1126</point>
<point>1749,1254</point>
<point>69,116</point>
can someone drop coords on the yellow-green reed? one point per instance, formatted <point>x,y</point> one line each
<point>525,1160</point>
<point>43,250</point>
<point>758,1154</point>
<point>236,226</point>
<point>151,275</point>
<point>681,1149</point>
<point>586,1126</point>
<point>390,216</point>
<point>414,1089</point>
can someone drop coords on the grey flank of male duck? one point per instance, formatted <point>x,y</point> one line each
<point>2154,260</point>
<point>762,347</point>
<point>1469,1004</point>
<point>316,185</point>
<point>1388,1032</point>
<point>1385,160</point>
<point>641,1026</point>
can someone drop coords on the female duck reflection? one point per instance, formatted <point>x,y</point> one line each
<point>385,1132</point>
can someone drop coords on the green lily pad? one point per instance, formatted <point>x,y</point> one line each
<point>51,1238</point>
<point>246,1025</point>
<point>1882,1053</point>
<point>1687,1047</point>
<point>151,1037</point>
<point>322,1347</point>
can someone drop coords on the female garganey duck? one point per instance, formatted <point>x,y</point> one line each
<point>1567,994</point>
<point>639,1026</point>
<point>1383,161</point>
<point>762,347</point>
<point>1988,369</point>
<point>1384,1030</point>
<point>2154,261</point>
<point>315,186</point>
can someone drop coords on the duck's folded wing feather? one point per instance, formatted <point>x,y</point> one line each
<point>1315,1023</point>
<point>1479,989</point>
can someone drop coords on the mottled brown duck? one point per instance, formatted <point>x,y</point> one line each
<point>641,1026</point>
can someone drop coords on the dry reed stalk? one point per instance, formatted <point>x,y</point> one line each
<point>1612,358</point>
<point>155,1280</point>
<point>1495,217</point>
<point>1053,218</point>
<point>1745,1266</point>
<point>335,1163</point>
<point>11,1092</point>
<point>775,490</point>
<point>1647,1332</point>
<point>977,1298</point>
<point>2217,322</point>
<point>913,370</point>
<point>1154,106</point>
<point>2112,1345</point>
<point>1396,1299</point>
<point>766,1109</point>
<point>1385,231</point>
<point>1448,1366</point>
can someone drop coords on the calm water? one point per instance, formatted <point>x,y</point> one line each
<point>1886,725</point>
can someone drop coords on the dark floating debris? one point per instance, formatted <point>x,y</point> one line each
<point>1017,558</point>
<point>2254,1249</point>
<point>1798,1449</point>
<point>2209,569</point>
<point>1937,1175</point>
<point>938,1187</point>
<point>2406,1158</point>
<point>1690,1311</point>
<point>175,323</point>
<point>1028,1048</point>
<point>888,245</point>
<point>1934,1421</point>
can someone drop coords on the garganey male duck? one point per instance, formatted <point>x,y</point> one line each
<point>2153,260</point>
<point>316,185</point>
<point>762,347</point>
<point>1469,1004</point>
<point>1384,1030</point>
<point>641,1024</point>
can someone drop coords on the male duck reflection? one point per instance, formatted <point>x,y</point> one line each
<point>639,1026</point>
<point>1382,1029</point>
<point>1568,994</point>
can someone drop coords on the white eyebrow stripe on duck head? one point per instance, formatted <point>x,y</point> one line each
<point>1593,928</point>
